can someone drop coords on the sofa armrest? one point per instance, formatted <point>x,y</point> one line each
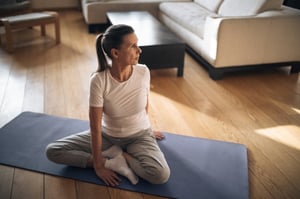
<point>95,12</point>
<point>270,37</point>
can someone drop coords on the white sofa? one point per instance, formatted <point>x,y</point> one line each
<point>94,11</point>
<point>226,35</point>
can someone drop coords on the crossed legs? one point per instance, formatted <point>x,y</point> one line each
<point>142,157</point>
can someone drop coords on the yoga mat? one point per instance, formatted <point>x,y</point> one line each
<point>200,168</point>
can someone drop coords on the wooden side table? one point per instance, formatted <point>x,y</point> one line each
<point>29,20</point>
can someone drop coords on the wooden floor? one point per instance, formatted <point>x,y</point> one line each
<point>258,109</point>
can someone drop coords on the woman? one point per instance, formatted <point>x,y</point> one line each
<point>120,137</point>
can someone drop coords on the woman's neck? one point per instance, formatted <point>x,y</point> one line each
<point>121,74</point>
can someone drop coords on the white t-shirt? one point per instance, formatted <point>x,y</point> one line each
<point>124,103</point>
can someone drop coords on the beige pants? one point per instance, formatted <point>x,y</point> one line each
<point>148,161</point>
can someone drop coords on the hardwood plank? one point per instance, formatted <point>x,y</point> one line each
<point>27,185</point>
<point>13,97</point>
<point>72,77</point>
<point>6,182</point>
<point>91,191</point>
<point>78,108</point>
<point>54,99</point>
<point>123,194</point>
<point>34,89</point>
<point>57,187</point>
<point>5,65</point>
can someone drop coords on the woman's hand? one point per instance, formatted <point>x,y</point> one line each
<point>109,177</point>
<point>158,135</point>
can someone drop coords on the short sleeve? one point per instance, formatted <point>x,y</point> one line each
<point>96,91</point>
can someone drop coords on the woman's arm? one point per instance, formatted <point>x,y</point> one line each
<point>108,176</point>
<point>95,114</point>
<point>157,134</point>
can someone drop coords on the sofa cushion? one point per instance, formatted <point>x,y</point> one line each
<point>209,4</point>
<point>187,14</point>
<point>90,1</point>
<point>241,7</point>
<point>130,1</point>
<point>272,5</point>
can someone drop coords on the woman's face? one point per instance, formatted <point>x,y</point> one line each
<point>129,51</point>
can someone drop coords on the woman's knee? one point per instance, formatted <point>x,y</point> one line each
<point>49,151</point>
<point>52,152</point>
<point>158,175</point>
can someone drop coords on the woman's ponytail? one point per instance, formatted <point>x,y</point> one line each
<point>102,61</point>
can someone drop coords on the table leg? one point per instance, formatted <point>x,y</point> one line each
<point>57,29</point>
<point>43,30</point>
<point>8,36</point>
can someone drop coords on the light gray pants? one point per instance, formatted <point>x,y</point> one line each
<point>148,161</point>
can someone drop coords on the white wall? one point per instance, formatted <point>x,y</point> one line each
<point>45,4</point>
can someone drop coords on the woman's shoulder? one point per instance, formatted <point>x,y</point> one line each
<point>142,68</point>
<point>98,76</point>
<point>141,65</point>
<point>142,72</point>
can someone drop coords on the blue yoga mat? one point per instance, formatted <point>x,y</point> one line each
<point>200,168</point>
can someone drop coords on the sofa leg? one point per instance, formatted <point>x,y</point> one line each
<point>295,67</point>
<point>215,74</point>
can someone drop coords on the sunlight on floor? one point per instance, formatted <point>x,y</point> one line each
<point>285,134</point>
<point>296,110</point>
<point>176,117</point>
